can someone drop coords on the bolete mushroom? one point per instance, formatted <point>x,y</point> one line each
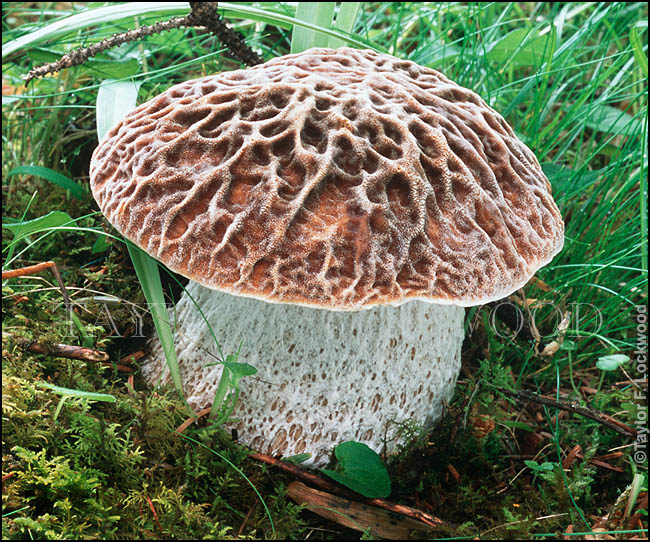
<point>335,210</point>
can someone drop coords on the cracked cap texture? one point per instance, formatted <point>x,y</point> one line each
<point>340,179</point>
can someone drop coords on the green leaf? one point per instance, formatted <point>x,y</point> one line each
<point>104,66</point>
<point>297,459</point>
<point>101,244</point>
<point>44,56</point>
<point>535,466</point>
<point>52,176</point>
<point>238,370</point>
<point>569,345</point>
<point>363,470</point>
<point>519,48</point>
<point>518,425</point>
<point>114,100</point>
<point>612,362</point>
<point>93,396</point>
<point>93,17</point>
<point>317,13</point>
<point>607,119</point>
<point>53,219</point>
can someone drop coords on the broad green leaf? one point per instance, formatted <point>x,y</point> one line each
<point>569,345</point>
<point>114,100</point>
<point>521,47</point>
<point>43,56</point>
<point>317,13</point>
<point>93,396</point>
<point>52,176</point>
<point>53,219</point>
<point>101,244</point>
<point>363,470</point>
<point>608,119</point>
<point>612,362</point>
<point>102,65</point>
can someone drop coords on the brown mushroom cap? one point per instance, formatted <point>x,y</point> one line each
<point>335,178</point>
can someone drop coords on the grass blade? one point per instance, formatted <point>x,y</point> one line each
<point>90,395</point>
<point>345,19</point>
<point>52,176</point>
<point>114,13</point>
<point>111,103</point>
<point>24,228</point>
<point>637,48</point>
<point>92,17</point>
<point>114,100</point>
<point>317,13</point>
<point>146,269</point>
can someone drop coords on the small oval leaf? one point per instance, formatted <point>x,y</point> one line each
<point>612,362</point>
<point>363,470</point>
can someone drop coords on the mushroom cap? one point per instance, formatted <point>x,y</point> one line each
<point>340,179</point>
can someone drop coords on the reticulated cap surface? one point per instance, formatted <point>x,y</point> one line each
<point>335,178</point>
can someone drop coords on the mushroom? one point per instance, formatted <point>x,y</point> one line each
<point>334,210</point>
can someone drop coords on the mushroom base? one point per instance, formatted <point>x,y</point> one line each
<point>323,377</point>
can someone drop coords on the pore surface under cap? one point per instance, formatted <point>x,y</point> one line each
<point>335,178</point>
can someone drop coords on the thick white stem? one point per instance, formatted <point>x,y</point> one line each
<point>324,377</point>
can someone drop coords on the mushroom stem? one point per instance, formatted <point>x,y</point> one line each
<point>323,376</point>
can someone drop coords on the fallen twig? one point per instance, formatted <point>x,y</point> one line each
<point>155,515</point>
<point>182,427</point>
<point>248,517</point>
<point>77,352</point>
<point>130,358</point>
<point>68,351</point>
<point>202,14</point>
<point>599,417</point>
<point>353,514</point>
<point>33,269</point>
<point>330,487</point>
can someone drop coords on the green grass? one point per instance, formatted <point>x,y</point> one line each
<point>570,78</point>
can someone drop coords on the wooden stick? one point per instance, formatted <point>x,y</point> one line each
<point>202,14</point>
<point>77,352</point>
<point>248,516</point>
<point>599,417</point>
<point>331,487</point>
<point>355,515</point>
<point>119,367</point>
<point>33,269</point>
<point>69,351</point>
<point>182,427</point>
